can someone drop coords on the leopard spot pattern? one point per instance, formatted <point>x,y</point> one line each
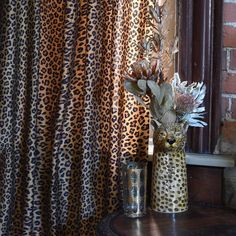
<point>169,177</point>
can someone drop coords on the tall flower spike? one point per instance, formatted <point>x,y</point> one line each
<point>168,102</point>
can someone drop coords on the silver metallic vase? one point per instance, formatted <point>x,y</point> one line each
<point>134,178</point>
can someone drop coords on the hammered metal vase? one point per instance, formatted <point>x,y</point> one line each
<point>134,177</point>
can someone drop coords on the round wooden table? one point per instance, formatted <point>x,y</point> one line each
<point>197,221</point>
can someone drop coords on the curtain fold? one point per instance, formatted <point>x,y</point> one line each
<point>66,122</point>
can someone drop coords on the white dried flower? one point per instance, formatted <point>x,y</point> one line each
<point>188,99</point>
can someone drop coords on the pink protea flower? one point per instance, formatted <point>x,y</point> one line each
<point>188,101</point>
<point>143,69</point>
<point>185,103</point>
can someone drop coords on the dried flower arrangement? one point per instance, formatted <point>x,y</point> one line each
<point>169,102</point>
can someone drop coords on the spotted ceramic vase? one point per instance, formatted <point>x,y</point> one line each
<point>169,176</point>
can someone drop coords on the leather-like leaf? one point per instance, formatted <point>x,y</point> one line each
<point>133,88</point>
<point>155,109</point>
<point>167,87</point>
<point>155,89</point>
<point>140,100</point>
<point>165,90</point>
<point>167,102</point>
<point>142,84</point>
<point>168,117</point>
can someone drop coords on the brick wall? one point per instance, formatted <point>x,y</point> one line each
<point>228,134</point>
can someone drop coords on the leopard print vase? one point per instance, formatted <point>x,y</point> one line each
<point>169,176</point>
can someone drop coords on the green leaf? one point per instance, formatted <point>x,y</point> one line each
<point>155,109</point>
<point>167,88</point>
<point>133,88</point>
<point>167,102</point>
<point>161,96</point>
<point>166,95</point>
<point>155,89</point>
<point>142,84</point>
<point>168,117</point>
<point>140,100</point>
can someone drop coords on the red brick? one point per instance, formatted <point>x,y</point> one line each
<point>224,107</point>
<point>232,64</point>
<point>224,60</point>
<point>233,109</point>
<point>229,12</point>
<point>229,131</point>
<point>229,36</point>
<point>229,83</point>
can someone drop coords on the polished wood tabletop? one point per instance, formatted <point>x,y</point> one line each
<point>197,221</point>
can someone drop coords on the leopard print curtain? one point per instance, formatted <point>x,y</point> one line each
<point>66,121</point>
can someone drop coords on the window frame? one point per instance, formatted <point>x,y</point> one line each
<point>199,28</point>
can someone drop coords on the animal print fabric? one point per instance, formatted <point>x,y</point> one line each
<point>66,122</point>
